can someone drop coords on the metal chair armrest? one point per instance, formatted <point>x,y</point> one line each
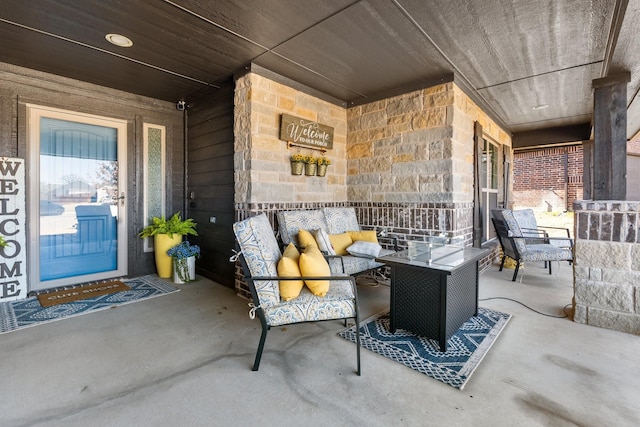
<point>557,228</point>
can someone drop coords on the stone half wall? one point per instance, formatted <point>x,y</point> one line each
<point>607,265</point>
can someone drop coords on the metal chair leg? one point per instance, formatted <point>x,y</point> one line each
<point>358,344</point>
<point>504,257</point>
<point>515,273</point>
<point>263,337</point>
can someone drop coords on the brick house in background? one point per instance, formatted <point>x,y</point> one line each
<point>547,179</point>
<point>551,179</point>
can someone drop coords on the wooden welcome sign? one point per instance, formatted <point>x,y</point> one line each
<point>306,132</point>
<point>13,277</point>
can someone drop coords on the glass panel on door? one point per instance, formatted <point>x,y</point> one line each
<point>78,199</point>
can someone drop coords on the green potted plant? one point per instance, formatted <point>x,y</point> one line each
<point>167,233</point>
<point>310,165</point>
<point>323,162</point>
<point>297,164</point>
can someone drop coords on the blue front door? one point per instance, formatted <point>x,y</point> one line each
<point>79,201</point>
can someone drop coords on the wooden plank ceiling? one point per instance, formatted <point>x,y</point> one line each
<point>510,56</point>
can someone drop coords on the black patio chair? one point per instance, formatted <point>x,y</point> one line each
<point>517,246</point>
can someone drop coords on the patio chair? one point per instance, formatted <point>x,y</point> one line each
<point>259,255</point>
<point>519,247</point>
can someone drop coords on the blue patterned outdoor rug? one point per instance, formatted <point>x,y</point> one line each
<point>16,315</point>
<point>465,349</point>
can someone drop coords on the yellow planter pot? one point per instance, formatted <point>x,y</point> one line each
<point>162,243</point>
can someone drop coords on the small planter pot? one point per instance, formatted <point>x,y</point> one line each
<point>310,169</point>
<point>296,168</point>
<point>322,170</point>
<point>184,270</point>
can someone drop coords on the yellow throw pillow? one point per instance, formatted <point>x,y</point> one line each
<point>312,263</point>
<point>288,267</point>
<point>340,242</point>
<point>305,238</point>
<point>364,235</point>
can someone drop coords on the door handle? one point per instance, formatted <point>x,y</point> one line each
<point>122,197</point>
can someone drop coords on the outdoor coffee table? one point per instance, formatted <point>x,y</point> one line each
<point>434,289</point>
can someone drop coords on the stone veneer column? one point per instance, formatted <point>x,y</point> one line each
<point>607,265</point>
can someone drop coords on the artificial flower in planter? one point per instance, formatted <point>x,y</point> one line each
<point>310,165</point>
<point>323,162</point>
<point>184,261</point>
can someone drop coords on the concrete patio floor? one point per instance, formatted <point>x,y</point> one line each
<point>184,360</point>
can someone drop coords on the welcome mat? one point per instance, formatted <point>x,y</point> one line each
<point>16,315</point>
<point>47,299</point>
<point>465,349</point>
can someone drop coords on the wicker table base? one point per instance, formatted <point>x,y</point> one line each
<point>431,301</point>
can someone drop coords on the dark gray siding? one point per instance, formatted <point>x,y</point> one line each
<point>210,172</point>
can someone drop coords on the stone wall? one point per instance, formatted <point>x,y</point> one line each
<point>262,167</point>
<point>410,162</point>
<point>466,112</point>
<point>405,163</point>
<point>263,179</point>
<point>607,265</point>
<point>416,147</point>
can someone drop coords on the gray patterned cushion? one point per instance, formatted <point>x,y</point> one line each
<point>340,220</point>
<point>514,229</point>
<point>354,264</point>
<point>338,303</point>
<point>260,249</point>
<point>291,222</point>
<point>526,218</point>
<point>546,252</point>
<point>333,221</point>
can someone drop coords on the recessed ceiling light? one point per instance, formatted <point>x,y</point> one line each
<point>119,40</point>
<point>541,107</point>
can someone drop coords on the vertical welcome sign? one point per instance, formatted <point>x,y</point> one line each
<point>13,278</point>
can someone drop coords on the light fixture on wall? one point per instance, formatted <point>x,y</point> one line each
<point>119,40</point>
